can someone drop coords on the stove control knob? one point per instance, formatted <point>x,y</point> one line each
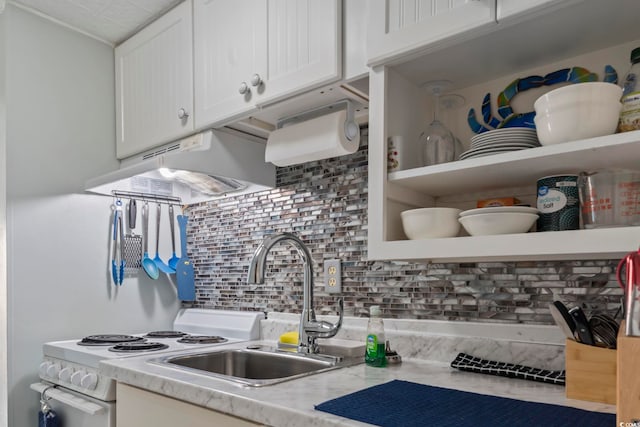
<point>53,370</point>
<point>89,381</point>
<point>76,377</point>
<point>65,374</point>
<point>44,366</point>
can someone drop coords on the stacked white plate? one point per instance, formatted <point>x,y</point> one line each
<point>501,141</point>
<point>498,220</point>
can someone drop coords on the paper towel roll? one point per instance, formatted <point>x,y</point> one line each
<point>315,139</point>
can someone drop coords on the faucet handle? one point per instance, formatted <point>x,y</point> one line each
<point>322,329</point>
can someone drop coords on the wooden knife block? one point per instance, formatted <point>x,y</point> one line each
<point>590,373</point>
<point>628,393</point>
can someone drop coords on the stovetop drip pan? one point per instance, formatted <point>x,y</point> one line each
<point>135,347</point>
<point>109,339</point>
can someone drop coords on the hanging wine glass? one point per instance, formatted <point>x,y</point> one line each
<point>437,143</point>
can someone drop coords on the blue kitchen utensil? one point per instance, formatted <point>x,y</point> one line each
<point>148,265</point>
<point>114,248</point>
<point>184,268</point>
<point>162,266</point>
<point>117,257</point>
<point>173,261</point>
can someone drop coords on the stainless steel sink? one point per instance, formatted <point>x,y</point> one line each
<point>256,366</point>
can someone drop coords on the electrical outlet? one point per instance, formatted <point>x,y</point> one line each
<point>332,276</point>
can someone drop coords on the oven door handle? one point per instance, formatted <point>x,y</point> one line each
<point>69,399</point>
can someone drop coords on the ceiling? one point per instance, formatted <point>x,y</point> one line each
<point>111,21</point>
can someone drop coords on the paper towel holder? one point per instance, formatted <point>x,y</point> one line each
<point>351,127</point>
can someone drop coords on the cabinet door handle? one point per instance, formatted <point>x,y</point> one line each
<point>256,80</point>
<point>244,88</point>
<point>183,114</point>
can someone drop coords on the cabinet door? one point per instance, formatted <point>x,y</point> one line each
<point>141,408</point>
<point>230,46</point>
<point>304,46</point>
<point>400,27</point>
<point>154,83</point>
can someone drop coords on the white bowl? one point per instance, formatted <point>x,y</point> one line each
<point>499,209</point>
<point>498,223</point>
<point>430,223</point>
<point>578,111</point>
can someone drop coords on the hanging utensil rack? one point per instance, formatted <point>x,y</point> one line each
<point>170,200</point>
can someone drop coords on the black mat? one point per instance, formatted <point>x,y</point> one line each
<point>403,403</point>
<point>466,362</point>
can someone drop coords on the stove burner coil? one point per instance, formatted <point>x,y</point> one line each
<point>165,334</point>
<point>202,339</point>
<point>134,347</point>
<point>109,339</point>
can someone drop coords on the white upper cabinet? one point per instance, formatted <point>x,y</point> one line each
<point>230,46</point>
<point>304,49</point>
<point>401,27</point>
<point>252,53</point>
<point>154,84</point>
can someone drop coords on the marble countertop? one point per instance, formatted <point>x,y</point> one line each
<point>292,403</point>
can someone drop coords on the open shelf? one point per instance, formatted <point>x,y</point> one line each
<point>522,168</point>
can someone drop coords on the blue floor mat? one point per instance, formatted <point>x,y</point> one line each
<point>403,403</point>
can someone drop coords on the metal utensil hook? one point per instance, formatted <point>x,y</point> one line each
<point>44,399</point>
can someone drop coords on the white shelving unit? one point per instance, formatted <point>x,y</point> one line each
<point>519,169</point>
<point>399,106</point>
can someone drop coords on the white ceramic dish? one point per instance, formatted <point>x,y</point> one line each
<point>491,143</point>
<point>503,146</point>
<point>471,155</point>
<point>498,223</point>
<point>430,223</point>
<point>499,209</point>
<point>578,111</point>
<point>505,132</point>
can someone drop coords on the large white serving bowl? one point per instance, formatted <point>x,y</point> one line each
<point>430,223</point>
<point>578,111</point>
<point>498,223</point>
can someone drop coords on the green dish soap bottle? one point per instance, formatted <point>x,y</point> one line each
<point>375,349</point>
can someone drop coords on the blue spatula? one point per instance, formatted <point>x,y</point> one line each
<point>162,266</point>
<point>184,268</point>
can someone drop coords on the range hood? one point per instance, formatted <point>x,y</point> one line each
<point>204,166</point>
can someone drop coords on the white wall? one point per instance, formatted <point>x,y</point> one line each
<point>3,240</point>
<point>61,131</point>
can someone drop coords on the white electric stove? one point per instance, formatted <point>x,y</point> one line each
<point>72,366</point>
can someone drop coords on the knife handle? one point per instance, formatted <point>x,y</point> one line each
<point>583,330</point>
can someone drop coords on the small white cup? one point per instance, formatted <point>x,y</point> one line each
<point>396,153</point>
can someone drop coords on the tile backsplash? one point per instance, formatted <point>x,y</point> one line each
<point>325,204</point>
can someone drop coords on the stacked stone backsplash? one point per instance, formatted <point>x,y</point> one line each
<point>325,203</point>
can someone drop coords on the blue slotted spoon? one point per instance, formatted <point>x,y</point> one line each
<point>173,261</point>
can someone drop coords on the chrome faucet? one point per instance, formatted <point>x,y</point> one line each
<point>310,329</point>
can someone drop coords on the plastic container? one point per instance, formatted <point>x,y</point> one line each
<point>375,353</point>
<point>630,114</point>
<point>609,198</point>
<point>558,203</point>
